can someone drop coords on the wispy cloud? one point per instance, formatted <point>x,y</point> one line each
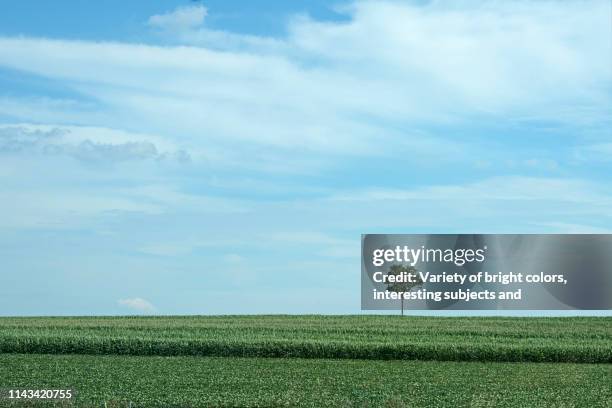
<point>182,18</point>
<point>495,188</point>
<point>598,152</point>
<point>84,143</point>
<point>399,117</point>
<point>332,87</point>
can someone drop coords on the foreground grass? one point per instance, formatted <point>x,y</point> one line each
<point>210,381</point>
<point>580,339</point>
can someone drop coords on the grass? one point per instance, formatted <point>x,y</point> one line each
<point>251,382</point>
<point>346,361</point>
<point>579,339</point>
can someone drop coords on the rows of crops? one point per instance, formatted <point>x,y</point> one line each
<point>580,340</point>
<point>250,382</point>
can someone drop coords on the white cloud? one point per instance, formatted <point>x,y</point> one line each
<point>358,87</point>
<point>137,304</point>
<point>41,189</point>
<point>598,152</point>
<point>182,246</point>
<point>471,53</point>
<point>494,188</point>
<point>327,246</point>
<point>234,258</point>
<point>492,205</point>
<point>182,18</point>
<point>361,88</point>
<point>171,199</point>
<point>405,96</point>
<point>67,206</point>
<point>90,144</point>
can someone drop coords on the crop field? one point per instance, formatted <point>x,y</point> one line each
<point>364,361</point>
<point>580,340</point>
<point>270,382</point>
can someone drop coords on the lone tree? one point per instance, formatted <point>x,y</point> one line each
<point>400,287</point>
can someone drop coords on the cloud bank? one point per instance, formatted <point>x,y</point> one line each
<point>155,161</point>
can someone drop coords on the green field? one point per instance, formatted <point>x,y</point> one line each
<point>313,360</point>
<point>218,381</point>
<point>582,340</point>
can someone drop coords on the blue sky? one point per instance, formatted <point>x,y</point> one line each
<point>224,157</point>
